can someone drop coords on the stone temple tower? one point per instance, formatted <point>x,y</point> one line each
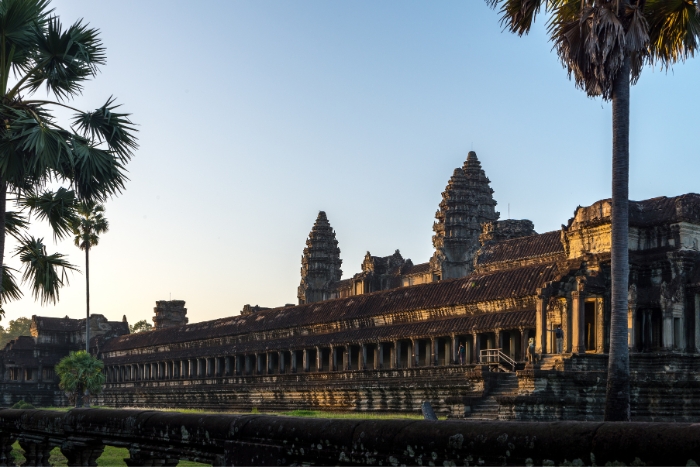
<point>320,263</point>
<point>467,203</point>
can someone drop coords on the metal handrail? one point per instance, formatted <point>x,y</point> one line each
<point>495,357</point>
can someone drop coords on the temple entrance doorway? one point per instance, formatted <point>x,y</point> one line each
<point>590,326</point>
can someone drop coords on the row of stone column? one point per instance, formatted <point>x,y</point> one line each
<point>400,353</point>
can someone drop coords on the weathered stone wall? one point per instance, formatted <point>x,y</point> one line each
<point>665,387</point>
<point>447,389</point>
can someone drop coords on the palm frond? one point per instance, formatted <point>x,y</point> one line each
<point>21,21</point>
<point>517,15</point>
<point>113,128</point>
<point>94,173</point>
<point>66,58</point>
<point>90,223</point>
<point>16,224</point>
<point>44,273</point>
<point>10,290</point>
<point>674,30</point>
<point>58,208</point>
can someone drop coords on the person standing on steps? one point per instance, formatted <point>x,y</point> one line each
<point>461,351</point>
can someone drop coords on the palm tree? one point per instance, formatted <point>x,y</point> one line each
<point>88,155</point>
<point>605,44</point>
<point>89,223</point>
<point>80,373</point>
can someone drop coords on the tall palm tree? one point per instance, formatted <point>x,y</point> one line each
<point>90,222</point>
<point>605,44</point>
<point>87,155</point>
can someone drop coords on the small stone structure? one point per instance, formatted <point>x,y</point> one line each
<point>169,313</point>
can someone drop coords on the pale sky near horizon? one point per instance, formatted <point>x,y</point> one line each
<point>255,115</point>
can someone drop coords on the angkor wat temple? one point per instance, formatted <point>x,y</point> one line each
<point>388,338</point>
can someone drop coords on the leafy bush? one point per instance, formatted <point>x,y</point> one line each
<point>23,405</point>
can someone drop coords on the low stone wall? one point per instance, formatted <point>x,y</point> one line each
<point>163,438</point>
<point>447,388</point>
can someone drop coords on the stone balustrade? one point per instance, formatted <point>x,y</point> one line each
<point>163,438</point>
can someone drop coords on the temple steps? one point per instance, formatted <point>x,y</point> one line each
<point>487,408</point>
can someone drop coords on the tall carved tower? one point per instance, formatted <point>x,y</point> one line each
<point>467,203</point>
<point>320,263</point>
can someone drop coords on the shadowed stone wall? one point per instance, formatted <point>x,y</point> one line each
<point>158,438</point>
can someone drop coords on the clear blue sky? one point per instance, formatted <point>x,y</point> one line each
<point>255,115</point>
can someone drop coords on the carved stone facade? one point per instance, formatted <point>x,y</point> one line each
<point>320,263</point>
<point>169,313</point>
<point>27,363</point>
<point>467,203</point>
<point>396,334</point>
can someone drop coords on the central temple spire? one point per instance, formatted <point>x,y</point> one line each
<point>320,263</point>
<point>467,203</point>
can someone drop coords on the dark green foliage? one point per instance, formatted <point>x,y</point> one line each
<point>22,405</point>
<point>140,326</point>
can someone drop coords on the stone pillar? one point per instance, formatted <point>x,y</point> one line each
<point>476,346</point>
<point>319,359</point>
<point>667,339</point>
<point>523,344</point>
<point>362,364</point>
<point>397,354</point>
<point>379,360</point>
<point>293,353</point>
<point>631,325</point>
<point>246,363</point>
<point>448,350</point>
<point>413,353</point>
<point>347,359</point>
<point>697,322</point>
<point>455,348</point>
<point>280,361</point>
<point>227,366</point>
<point>81,452</point>
<point>600,324</point>
<point>541,322</point>
<point>35,453</point>
<point>305,360</point>
<point>578,323</point>
<point>334,359</point>
<point>434,352</point>
<point>498,339</point>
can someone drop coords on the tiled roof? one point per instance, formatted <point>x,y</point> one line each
<point>435,328</point>
<point>421,268</point>
<point>533,246</point>
<point>57,324</point>
<point>518,282</point>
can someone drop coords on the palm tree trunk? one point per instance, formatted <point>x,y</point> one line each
<point>3,208</point>
<point>87,297</point>
<point>617,399</point>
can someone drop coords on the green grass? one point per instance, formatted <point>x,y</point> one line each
<point>110,457</point>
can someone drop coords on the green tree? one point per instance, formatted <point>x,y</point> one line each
<point>604,44</point>
<point>87,156</point>
<point>140,326</point>
<point>89,223</point>
<point>15,328</point>
<point>80,374</point>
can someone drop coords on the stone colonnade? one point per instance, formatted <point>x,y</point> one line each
<point>379,355</point>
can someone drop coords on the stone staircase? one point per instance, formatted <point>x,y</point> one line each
<point>486,408</point>
<point>551,362</point>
